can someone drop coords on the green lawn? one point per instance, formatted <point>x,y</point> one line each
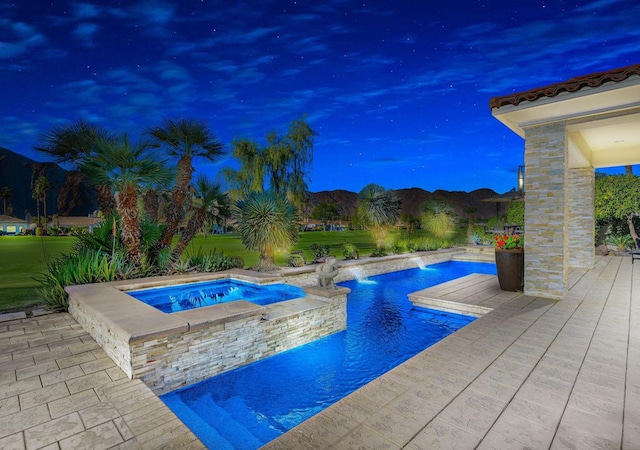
<point>23,258</point>
<point>231,245</point>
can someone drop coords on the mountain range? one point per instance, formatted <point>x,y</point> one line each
<point>72,196</point>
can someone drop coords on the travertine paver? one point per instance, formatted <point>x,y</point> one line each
<point>532,373</point>
<point>58,390</point>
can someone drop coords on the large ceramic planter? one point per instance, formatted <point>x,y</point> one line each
<point>510,268</point>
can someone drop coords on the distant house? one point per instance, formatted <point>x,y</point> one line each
<point>11,225</point>
<point>75,221</point>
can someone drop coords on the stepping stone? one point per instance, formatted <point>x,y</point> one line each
<point>12,316</point>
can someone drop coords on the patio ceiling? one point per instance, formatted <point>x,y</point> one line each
<point>603,122</point>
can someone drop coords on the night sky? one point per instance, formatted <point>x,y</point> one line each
<point>398,91</point>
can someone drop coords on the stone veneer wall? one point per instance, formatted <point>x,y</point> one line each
<point>170,362</point>
<point>546,212</point>
<point>109,337</point>
<point>374,266</point>
<point>168,351</point>
<point>581,219</point>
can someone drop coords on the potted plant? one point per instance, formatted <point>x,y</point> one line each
<point>510,261</point>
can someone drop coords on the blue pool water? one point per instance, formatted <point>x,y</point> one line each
<point>195,295</point>
<point>250,406</point>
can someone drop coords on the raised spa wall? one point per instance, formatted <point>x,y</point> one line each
<point>169,351</point>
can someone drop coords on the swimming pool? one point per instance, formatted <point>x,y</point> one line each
<point>250,406</point>
<point>183,297</point>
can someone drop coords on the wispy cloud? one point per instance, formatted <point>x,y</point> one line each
<point>84,33</point>
<point>21,38</point>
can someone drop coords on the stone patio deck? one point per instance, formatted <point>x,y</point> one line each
<point>531,373</point>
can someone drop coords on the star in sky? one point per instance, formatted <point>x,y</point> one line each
<point>397,91</point>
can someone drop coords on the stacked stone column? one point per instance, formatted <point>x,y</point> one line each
<point>546,211</point>
<point>581,218</point>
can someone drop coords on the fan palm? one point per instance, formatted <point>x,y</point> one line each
<point>207,198</point>
<point>266,222</point>
<point>71,144</point>
<point>378,210</point>
<point>126,167</point>
<point>184,139</point>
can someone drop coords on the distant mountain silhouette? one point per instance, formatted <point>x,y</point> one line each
<point>19,173</point>
<point>71,196</point>
<point>412,200</point>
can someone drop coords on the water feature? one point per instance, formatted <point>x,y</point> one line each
<point>252,405</point>
<point>419,263</point>
<point>360,275</point>
<point>182,297</point>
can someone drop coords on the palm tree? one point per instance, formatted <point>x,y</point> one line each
<point>250,176</point>
<point>184,139</point>
<point>40,189</point>
<point>206,200</point>
<point>71,144</point>
<point>378,210</point>
<point>266,222</point>
<point>126,167</point>
<point>5,195</point>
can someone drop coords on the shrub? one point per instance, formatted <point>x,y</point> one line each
<point>78,230</point>
<point>55,231</point>
<point>620,242</point>
<point>429,244</point>
<point>39,231</point>
<point>515,213</point>
<point>437,217</point>
<point>296,259</point>
<point>319,251</point>
<point>400,247</point>
<point>88,266</point>
<point>379,251</point>
<point>214,261</point>
<point>349,251</point>
<point>238,262</point>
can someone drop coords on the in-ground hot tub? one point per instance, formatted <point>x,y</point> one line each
<point>182,297</point>
<point>171,350</point>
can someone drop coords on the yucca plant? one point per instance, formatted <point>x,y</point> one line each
<point>378,210</point>
<point>266,222</point>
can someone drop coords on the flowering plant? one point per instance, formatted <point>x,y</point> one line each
<point>508,241</point>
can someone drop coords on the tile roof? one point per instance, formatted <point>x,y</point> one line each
<point>572,85</point>
<point>10,219</point>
